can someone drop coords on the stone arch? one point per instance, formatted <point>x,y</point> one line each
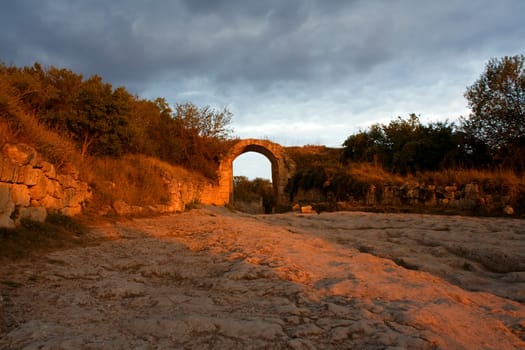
<point>282,167</point>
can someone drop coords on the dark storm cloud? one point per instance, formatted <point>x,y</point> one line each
<point>228,40</point>
<point>241,39</point>
<point>278,59</point>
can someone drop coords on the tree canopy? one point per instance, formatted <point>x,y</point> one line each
<point>405,145</point>
<point>497,101</point>
<point>109,121</point>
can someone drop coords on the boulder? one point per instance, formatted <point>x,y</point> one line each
<point>20,154</point>
<point>20,195</point>
<point>508,210</point>
<point>28,175</point>
<point>71,211</point>
<point>67,181</point>
<point>6,221</point>
<point>50,202</point>
<point>33,213</point>
<point>40,189</point>
<point>48,169</point>
<point>307,209</point>
<point>472,191</point>
<point>8,170</point>
<point>6,203</point>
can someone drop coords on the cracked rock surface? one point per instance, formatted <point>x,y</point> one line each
<point>211,279</point>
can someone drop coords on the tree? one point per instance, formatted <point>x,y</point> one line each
<point>497,101</point>
<point>405,145</point>
<point>366,146</point>
<point>205,121</point>
<point>64,102</point>
<point>100,124</point>
<point>199,136</point>
<point>251,191</point>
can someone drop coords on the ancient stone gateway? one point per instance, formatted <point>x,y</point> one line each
<point>282,168</point>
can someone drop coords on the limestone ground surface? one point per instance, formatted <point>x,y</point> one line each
<point>212,279</point>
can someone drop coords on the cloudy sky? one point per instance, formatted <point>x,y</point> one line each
<point>294,71</point>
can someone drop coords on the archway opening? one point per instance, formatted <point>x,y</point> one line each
<point>252,165</point>
<point>253,189</point>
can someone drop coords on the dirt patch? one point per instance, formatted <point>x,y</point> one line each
<point>210,278</point>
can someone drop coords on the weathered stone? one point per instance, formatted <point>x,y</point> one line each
<point>465,203</point>
<point>28,175</point>
<point>33,213</point>
<point>508,210</point>
<point>472,191</point>
<point>20,195</point>
<point>450,192</point>
<point>182,193</point>
<point>371,195</point>
<point>6,204</point>
<point>307,209</point>
<point>6,221</point>
<point>67,181</point>
<point>51,202</point>
<point>71,211</point>
<point>58,191</point>
<point>73,197</point>
<point>20,154</point>
<point>5,196</point>
<point>8,170</point>
<point>29,185</point>
<point>451,189</point>
<point>39,190</point>
<point>48,169</point>
<point>69,169</point>
<point>53,188</point>
<point>107,209</point>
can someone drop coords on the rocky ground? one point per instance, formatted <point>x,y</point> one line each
<point>210,278</point>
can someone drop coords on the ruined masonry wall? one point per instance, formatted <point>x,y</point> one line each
<point>30,187</point>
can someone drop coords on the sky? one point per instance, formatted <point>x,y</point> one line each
<point>292,71</point>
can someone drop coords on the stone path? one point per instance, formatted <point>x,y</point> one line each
<point>210,279</point>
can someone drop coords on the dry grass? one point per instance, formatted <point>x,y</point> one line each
<point>490,180</point>
<point>136,179</point>
<point>464,176</point>
<point>501,182</point>
<point>366,172</point>
<point>54,148</point>
<point>5,133</point>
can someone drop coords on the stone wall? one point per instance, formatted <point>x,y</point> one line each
<point>31,187</point>
<point>182,194</point>
<point>465,197</point>
<point>470,197</point>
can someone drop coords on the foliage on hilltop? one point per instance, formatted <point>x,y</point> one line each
<point>100,120</point>
<point>492,137</point>
<point>122,145</point>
